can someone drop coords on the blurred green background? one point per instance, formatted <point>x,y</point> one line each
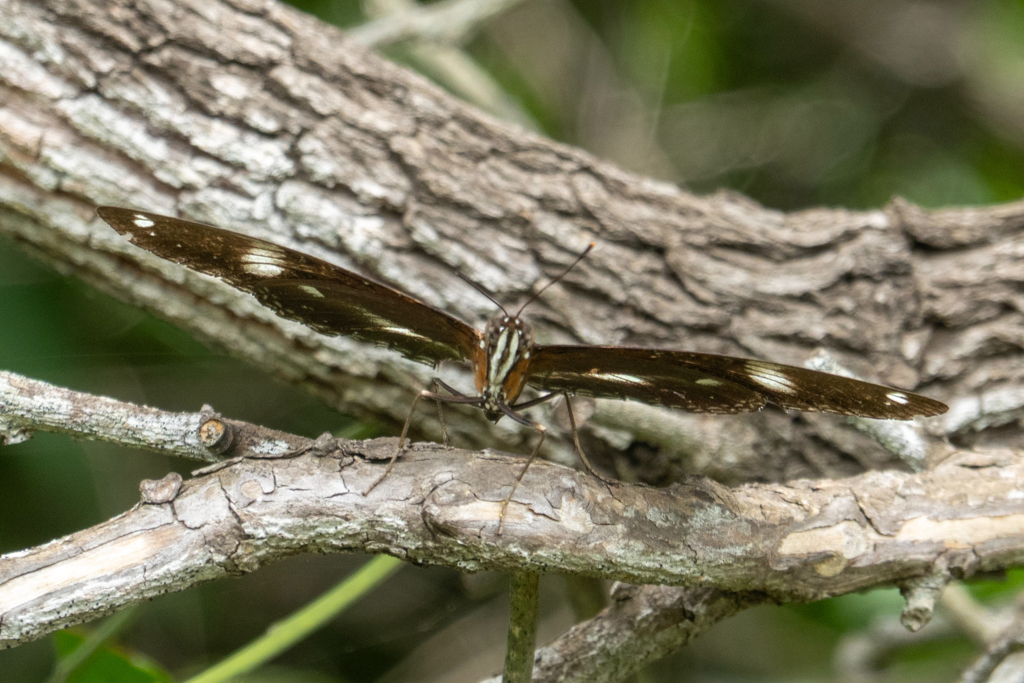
<point>791,102</point>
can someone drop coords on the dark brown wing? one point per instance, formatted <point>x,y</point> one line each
<point>323,296</point>
<point>705,383</point>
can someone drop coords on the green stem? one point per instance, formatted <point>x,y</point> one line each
<point>282,635</point>
<point>522,628</point>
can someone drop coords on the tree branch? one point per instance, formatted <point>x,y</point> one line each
<point>268,122</point>
<point>282,494</point>
<point>30,405</point>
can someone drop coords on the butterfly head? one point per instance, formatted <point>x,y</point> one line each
<point>501,372</point>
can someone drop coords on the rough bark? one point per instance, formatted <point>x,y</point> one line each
<point>280,494</point>
<point>441,507</point>
<point>254,117</point>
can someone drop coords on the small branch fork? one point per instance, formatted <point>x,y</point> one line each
<point>996,655</point>
<point>999,633</point>
<point>801,541</point>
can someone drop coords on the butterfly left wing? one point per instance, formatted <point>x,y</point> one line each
<point>321,295</point>
<point>706,383</point>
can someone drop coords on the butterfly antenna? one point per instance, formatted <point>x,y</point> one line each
<point>560,276</point>
<point>484,292</point>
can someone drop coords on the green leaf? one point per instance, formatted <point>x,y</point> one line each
<point>109,664</point>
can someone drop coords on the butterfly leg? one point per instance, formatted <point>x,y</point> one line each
<point>438,385</point>
<point>576,440</point>
<point>572,425</point>
<point>440,413</point>
<point>535,401</point>
<point>542,430</point>
<point>472,400</point>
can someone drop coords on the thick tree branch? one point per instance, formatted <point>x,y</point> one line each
<point>281,494</point>
<point>256,118</point>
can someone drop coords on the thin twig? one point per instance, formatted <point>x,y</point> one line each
<point>982,668</point>
<point>857,656</point>
<point>449,22</point>
<point>974,620</point>
<point>433,36</point>
<point>28,405</point>
<point>999,640</point>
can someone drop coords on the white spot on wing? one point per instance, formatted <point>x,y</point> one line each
<point>770,377</point>
<point>312,291</point>
<point>405,332</point>
<point>708,382</point>
<point>897,397</point>
<point>618,377</point>
<point>143,222</point>
<point>388,326</point>
<point>263,269</point>
<point>259,254</point>
<point>263,261</point>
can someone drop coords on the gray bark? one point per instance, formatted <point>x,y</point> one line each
<point>257,118</point>
<point>280,494</point>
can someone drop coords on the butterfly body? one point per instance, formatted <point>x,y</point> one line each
<point>501,372</point>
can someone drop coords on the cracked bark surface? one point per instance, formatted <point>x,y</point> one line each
<point>256,118</point>
<point>279,494</point>
<point>805,540</point>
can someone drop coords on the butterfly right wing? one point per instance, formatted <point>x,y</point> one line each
<point>299,287</point>
<point>707,383</point>
<point>646,375</point>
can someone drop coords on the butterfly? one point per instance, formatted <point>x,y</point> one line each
<point>504,356</point>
